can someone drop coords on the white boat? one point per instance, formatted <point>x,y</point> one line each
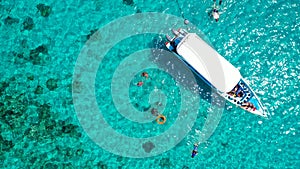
<point>202,59</point>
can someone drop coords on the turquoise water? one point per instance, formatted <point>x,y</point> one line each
<point>39,50</point>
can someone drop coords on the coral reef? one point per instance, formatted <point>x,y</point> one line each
<point>38,90</point>
<point>3,86</point>
<point>165,163</point>
<point>91,33</point>
<point>51,165</point>
<point>51,84</point>
<point>101,165</point>
<point>9,20</point>
<point>138,11</point>
<point>28,23</point>
<point>44,9</point>
<point>30,77</point>
<point>36,55</point>
<point>5,145</point>
<point>128,2</point>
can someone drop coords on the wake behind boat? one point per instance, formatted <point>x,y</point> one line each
<point>199,56</point>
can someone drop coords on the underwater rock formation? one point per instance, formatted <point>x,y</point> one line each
<point>44,9</point>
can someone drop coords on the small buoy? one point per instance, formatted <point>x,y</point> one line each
<point>161,119</point>
<point>186,21</point>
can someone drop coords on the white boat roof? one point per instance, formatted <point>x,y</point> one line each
<point>208,62</point>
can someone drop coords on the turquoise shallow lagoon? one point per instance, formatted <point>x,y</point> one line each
<point>42,40</point>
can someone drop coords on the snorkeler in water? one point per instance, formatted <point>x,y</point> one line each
<point>195,150</point>
<point>215,11</point>
<point>145,74</point>
<point>140,83</point>
<point>215,14</point>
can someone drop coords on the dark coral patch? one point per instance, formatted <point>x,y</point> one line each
<point>79,152</point>
<point>38,90</point>
<point>51,165</point>
<point>30,77</point>
<point>69,128</point>
<point>128,2</point>
<point>148,146</point>
<point>101,165</point>
<point>5,145</point>
<point>44,112</point>
<point>9,20</point>
<point>37,53</point>
<point>51,84</point>
<point>165,163</point>
<point>3,86</point>
<point>28,23</point>
<point>91,33</point>
<point>44,9</point>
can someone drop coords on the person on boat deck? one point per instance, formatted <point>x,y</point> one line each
<point>195,150</point>
<point>233,92</point>
<point>240,94</point>
<point>236,88</point>
<point>249,105</point>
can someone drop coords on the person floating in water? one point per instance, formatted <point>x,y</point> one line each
<point>195,150</point>
<point>145,74</point>
<point>215,12</point>
<point>154,112</point>
<point>140,83</point>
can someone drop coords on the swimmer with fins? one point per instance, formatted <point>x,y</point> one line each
<point>195,150</point>
<point>215,11</point>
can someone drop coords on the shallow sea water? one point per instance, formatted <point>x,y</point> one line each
<point>39,124</point>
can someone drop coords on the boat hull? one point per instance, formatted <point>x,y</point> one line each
<point>240,95</point>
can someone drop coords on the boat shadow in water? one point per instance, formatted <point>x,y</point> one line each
<point>185,77</point>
